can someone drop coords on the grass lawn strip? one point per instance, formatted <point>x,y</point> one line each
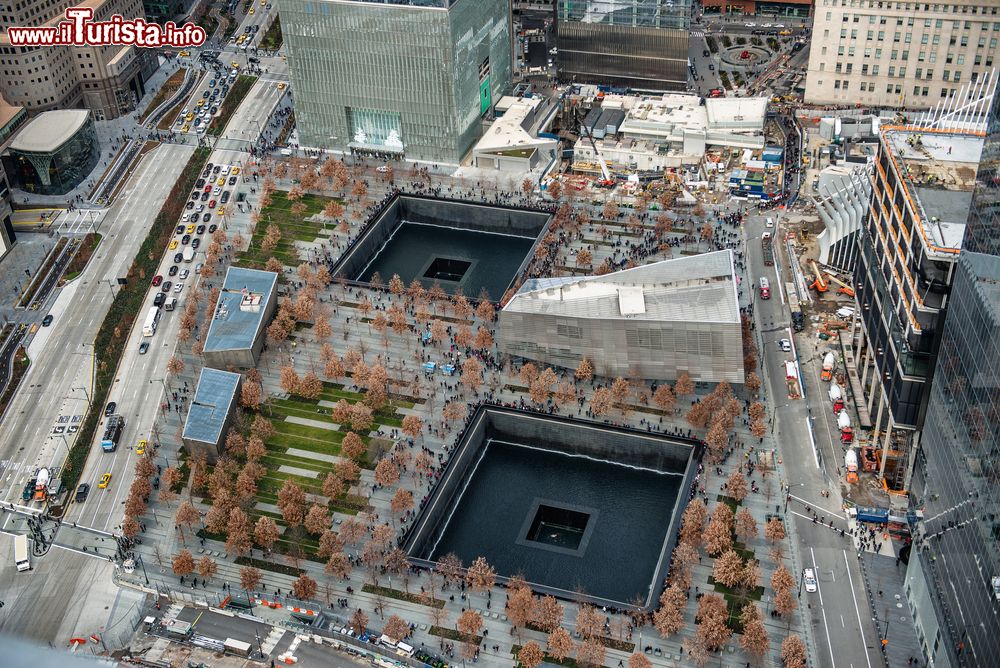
<point>402,596</point>
<point>452,634</point>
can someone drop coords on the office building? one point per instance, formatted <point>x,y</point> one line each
<point>108,80</point>
<point>876,53</point>
<point>640,44</point>
<point>406,79</point>
<point>654,321</point>
<point>11,118</point>
<point>953,576</point>
<point>921,195</point>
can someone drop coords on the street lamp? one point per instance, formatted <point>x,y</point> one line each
<point>86,394</point>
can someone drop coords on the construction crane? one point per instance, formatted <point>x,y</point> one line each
<point>845,289</point>
<point>607,180</point>
<point>819,283</point>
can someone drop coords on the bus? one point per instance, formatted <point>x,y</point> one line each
<point>765,289</point>
<point>21,553</point>
<point>152,320</point>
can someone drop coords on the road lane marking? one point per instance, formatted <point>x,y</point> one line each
<point>819,590</point>
<point>857,610</point>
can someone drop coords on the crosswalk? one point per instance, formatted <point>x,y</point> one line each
<point>697,33</point>
<point>272,639</point>
<point>79,221</point>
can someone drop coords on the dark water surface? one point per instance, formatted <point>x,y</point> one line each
<point>493,258</point>
<point>633,512</point>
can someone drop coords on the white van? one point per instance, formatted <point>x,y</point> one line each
<point>21,553</point>
<point>171,304</point>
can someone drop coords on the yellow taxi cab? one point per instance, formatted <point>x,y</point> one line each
<point>186,128</point>
<point>221,182</point>
<point>253,10</point>
<point>190,229</point>
<point>242,38</point>
<point>281,86</point>
<point>786,32</point>
<point>105,480</point>
<point>235,171</point>
<point>184,54</point>
<point>221,211</point>
<point>140,448</point>
<point>201,103</point>
<point>235,65</point>
<point>173,244</point>
<point>189,117</point>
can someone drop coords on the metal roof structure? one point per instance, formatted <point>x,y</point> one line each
<point>213,398</point>
<point>49,130</point>
<point>239,314</point>
<point>692,288</point>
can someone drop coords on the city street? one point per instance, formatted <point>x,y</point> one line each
<point>839,611</point>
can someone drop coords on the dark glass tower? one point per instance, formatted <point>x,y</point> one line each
<point>953,577</point>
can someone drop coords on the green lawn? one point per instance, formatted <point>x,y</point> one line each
<point>293,228</point>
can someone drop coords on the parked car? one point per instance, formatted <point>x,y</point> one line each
<point>200,230</point>
<point>109,410</point>
<point>157,280</point>
<point>185,239</point>
<point>199,183</point>
<point>207,217</point>
<point>178,257</point>
<point>166,286</point>
<point>47,320</point>
<point>180,228</point>
<point>172,271</point>
<point>785,345</point>
<point>81,492</point>
<point>196,242</point>
<point>159,299</point>
<point>178,287</point>
<point>225,197</point>
<point>232,180</point>
<point>212,228</point>
<point>190,204</point>
<point>809,577</point>
<point>184,274</point>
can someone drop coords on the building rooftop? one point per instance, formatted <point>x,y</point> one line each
<point>692,288</point>
<point>736,113</point>
<point>509,132</point>
<point>939,171</point>
<point>213,397</point>
<point>49,130</point>
<point>239,314</point>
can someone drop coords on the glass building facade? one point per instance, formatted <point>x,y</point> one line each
<point>640,44</point>
<point>406,79</point>
<point>55,172</point>
<point>953,576</point>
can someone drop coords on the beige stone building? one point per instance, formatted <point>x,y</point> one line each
<point>110,80</point>
<point>899,54</point>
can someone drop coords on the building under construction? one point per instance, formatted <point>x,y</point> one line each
<point>921,194</point>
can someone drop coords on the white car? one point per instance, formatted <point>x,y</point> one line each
<point>184,274</point>
<point>786,345</point>
<point>178,287</point>
<point>184,218</point>
<point>809,577</point>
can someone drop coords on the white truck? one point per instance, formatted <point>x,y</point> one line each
<point>188,254</point>
<point>21,553</point>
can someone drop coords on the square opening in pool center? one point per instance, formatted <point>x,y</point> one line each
<point>447,269</point>
<point>560,527</point>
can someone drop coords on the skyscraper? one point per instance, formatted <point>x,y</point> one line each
<point>640,44</point>
<point>407,78</point>
<point>953,576</point>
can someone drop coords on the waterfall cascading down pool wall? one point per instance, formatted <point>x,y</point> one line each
<point>462,245</point>
<point>562,501</point>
